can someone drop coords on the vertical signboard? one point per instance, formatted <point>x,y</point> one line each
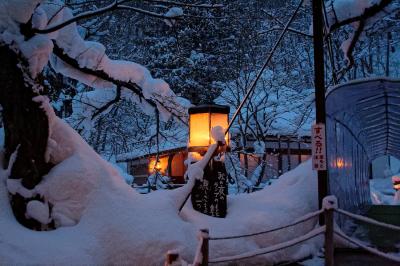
<point>318,147</point>
<point>209,195</point>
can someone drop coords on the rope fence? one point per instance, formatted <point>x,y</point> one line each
<point>329,208</point>
<point>362,245</point>
<point>365,247</point>
<point>296,222</point>
<point>367,220</point>
<point>271,249</point>
<point>202,250</point>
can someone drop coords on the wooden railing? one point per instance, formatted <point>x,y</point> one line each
<point>329,208</point>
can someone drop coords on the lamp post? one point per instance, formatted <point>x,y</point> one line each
<point>209,195</point>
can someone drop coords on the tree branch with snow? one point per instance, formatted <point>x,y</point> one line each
<point>357,13</point>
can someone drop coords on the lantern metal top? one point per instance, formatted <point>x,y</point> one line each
<point>209,108</point>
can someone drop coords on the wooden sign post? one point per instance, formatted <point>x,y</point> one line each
<point>318,147</point>
<point>209,195</point>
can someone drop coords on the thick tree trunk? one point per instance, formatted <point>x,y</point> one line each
<point>26,128</point>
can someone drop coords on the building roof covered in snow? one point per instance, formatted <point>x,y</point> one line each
<point>176,143</point>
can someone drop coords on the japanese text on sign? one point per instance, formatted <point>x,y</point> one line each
<point>318,147</point>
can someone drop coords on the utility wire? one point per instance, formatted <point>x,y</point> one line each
<point>254,82</point>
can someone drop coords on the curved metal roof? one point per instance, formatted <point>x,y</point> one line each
<point>370,109</point>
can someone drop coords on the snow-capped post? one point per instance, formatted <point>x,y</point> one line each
<point>319,90</point>
<point>171,257</point>
<point>207,125</point>
<point>329,205</point>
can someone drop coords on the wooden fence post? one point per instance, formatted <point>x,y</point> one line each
<point>204,247</point>
<point>171,257</point>
<point>329,246</point>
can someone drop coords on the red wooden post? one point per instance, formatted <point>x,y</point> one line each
<point>329,204</point>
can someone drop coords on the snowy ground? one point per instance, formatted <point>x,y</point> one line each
<point>110,223</point>
<point>382,192</point>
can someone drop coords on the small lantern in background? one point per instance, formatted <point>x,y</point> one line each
<point>339,162</point>
<point>159,165</point>
<point>396,182</point>
<point>202,119</point>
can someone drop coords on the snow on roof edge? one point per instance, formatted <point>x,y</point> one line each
<point>361,80</point>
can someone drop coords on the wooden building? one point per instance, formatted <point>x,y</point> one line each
<point>170,163</point>
<point>283,153</point>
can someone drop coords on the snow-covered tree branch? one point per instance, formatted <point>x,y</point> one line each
<point>360,14</point>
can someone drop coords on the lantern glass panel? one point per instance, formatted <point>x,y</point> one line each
<point>199,129</point>
<point>219,120</point>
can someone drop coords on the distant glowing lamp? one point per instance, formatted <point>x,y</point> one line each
<point>202,119</point>
<point>157,166</point>
<point>396,182</point>
<point>160,165</point>
<point>339,163</point>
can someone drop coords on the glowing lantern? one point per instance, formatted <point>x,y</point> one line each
<point>202,119</point>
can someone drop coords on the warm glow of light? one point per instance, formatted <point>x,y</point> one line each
<point>339,162</point>
<point>222,121</point>
<point>200,127</point>
<point>199,130</point>
<point>396,182</point>
<point>160,166</point>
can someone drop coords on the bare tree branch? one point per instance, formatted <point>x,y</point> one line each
<point>185,4</point>
<point>118,5</point>
<point>354,39</point>
<point>148,13</point>
<point>282,25</point>
<point>108,104</point>
<point>289,29</point>
<point>133,87</point>
<point>81,16</point>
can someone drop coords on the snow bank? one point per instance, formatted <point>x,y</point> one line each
<point>113,224</point>
<point>110,223</point>
<point>101,219</point>
<point>382,192</point>
<point>292,196</point>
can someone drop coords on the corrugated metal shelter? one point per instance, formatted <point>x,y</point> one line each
<point>363,123</point>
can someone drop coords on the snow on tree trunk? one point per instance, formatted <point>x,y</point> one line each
<point>26,129</point>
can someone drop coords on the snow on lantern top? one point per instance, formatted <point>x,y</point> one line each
<point>202,119</point>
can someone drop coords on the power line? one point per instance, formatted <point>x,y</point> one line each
<point>254,83</point>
